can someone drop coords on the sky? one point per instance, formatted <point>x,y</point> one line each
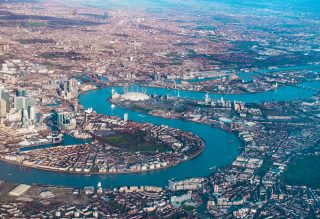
<point>299,7</point>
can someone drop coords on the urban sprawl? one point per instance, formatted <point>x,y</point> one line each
<point>170,66</point>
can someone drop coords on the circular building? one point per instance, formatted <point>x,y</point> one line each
<point>134,96</point>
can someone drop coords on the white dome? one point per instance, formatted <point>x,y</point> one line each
<point>134,96</point>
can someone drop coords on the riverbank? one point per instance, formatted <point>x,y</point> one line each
<point>101,173</point>
<point>221,147</point>
<point>272,89</point>
<point>99,158</point>
<point>284,93</point>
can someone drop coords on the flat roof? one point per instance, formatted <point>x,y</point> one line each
<point>19,190</point>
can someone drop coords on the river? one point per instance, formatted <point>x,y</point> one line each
<point>221,147</point>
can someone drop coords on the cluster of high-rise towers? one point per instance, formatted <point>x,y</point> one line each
<point>17,107</point>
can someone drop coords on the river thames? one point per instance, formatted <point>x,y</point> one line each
<point>221,147</point>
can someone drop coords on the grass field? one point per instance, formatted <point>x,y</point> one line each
<point>303,170</point>
<point>135,142</point>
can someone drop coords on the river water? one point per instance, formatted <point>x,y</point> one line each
<point>221,147</point>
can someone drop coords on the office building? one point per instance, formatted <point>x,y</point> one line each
<point>125,117</point>
<point>3,108</point>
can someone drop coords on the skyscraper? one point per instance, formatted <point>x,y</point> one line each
<point>3,108</point>
<point>1,91</point>
<point>9,100</point>
<point>125,117</point>
<point>19,103</point>
<point>32,113</point>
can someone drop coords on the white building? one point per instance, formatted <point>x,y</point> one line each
<point>131,96</point>
<point>125,117</point>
